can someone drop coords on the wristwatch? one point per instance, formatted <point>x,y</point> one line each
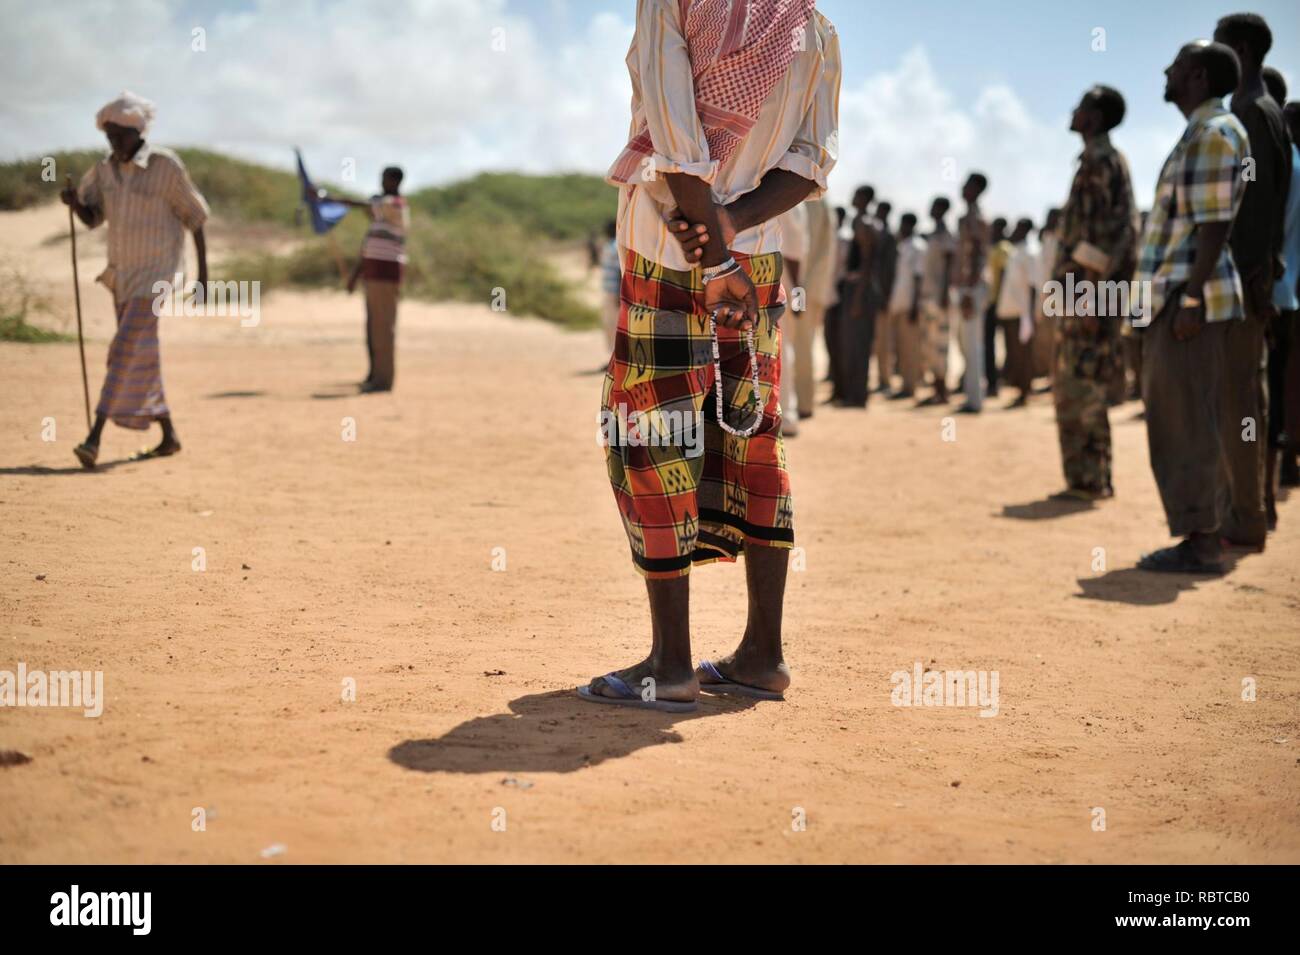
<point>1190,301</point>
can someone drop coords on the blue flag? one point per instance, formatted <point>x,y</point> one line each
<point>325,215</point>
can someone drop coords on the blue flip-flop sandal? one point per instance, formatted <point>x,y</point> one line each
<point>721,684</point>
<point>630,697</point>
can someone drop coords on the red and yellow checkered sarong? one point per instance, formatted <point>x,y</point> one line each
<point>687,491</point>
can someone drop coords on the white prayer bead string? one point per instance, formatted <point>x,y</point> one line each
<point>717,379</point>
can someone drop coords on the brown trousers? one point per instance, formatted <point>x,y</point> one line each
<point>1043,347</point>
<point>1018,368</point>
<point>1245,428</point>
<point>806,324</point>
<point>381,327</point>
<point>1184,386</point>
<point>898,340</point>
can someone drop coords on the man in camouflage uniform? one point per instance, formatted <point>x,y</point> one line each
<point>1098,233</point>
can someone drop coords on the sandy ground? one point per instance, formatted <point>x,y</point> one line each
<point>373,561</point>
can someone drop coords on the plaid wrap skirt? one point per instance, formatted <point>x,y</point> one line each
<point>687,491</point>
<point>132,396</point>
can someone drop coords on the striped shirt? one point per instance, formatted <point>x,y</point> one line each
<point>1201,183</point>
<point>796,130</point>
<point>973,237</point>
<point>385,240</point>
<point>149,202</point>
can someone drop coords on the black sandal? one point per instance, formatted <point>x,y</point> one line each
<point>1179,559</point>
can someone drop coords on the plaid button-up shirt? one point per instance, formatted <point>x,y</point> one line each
<point>1201,183</point>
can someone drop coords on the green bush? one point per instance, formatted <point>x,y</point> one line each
<point>467,239</point>
<point>236,190</point>
<point>17,300</point>
<point>564,207</point>
<point>450,259</point>
<point>14,328</point>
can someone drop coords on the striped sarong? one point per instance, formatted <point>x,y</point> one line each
<point>688,492</point>
<point>132,396</point>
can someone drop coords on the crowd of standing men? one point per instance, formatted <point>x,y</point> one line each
<point>1206,345</point>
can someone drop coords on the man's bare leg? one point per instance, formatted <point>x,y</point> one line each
<point>170,444</point>
<point>759,660</point>
<point>88,451</point>
<point>669,663</point>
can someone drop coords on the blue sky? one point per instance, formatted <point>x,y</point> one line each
<point>1039,47</point>
<point>1041,51</point>
<point>929,85</point>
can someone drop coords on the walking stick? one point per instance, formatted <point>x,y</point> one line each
<point>76,289</point>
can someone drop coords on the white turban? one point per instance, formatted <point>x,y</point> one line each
<point>127,110</point>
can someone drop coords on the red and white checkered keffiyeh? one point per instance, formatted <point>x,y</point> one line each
<point>739,51</point>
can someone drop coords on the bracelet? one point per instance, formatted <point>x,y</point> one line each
<point>722,268</point>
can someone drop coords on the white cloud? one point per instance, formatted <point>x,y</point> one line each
<point>417,82</point>
<point>904,133</point>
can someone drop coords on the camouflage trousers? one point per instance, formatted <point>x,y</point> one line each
<point>1085,366</point>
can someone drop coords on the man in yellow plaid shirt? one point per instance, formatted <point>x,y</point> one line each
<point>1195,294</point>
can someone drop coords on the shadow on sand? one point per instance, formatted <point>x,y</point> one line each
<point>236,394</point>
<point>335,395</point>
<point>555,732</point>
<point>1142,588</point>
<point>42,471</point>
<point>1046,509</point>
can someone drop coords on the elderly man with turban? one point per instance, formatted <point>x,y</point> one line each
<point>145,195</point>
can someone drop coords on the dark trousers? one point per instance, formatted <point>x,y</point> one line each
<point>1183,386</point>
<point>1245,428</point>
<point>1019,364</point>
<point>857,339</point>
<point>1282,423</point>
<point>831,329</point>
<point>370,348</point>
<point>1133,358</point>
<point>381,328</point>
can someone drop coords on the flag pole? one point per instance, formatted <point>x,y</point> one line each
<point>76,289</point>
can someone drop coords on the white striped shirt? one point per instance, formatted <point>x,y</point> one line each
<point>149,202</point>
<point>797,129</point>
<point>385,240</point>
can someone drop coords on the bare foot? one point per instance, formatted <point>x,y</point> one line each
<point>166,448</point>
<point>673,687</point>
<point>87,454</point>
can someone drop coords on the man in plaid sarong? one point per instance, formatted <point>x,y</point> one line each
<point>734,122</point>
<point>145,195</point>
